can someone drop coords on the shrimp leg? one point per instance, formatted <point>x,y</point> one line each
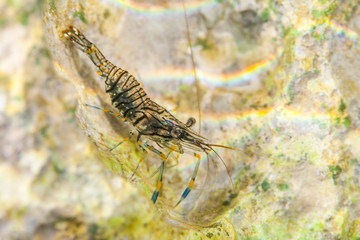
<point>161,174</point>
<point>107,111</point>
<point>144,151</point>
<point>192,181</point>
<point>125,139</point>
<point>159,183</point>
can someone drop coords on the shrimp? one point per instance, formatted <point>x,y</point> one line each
<point>150,120</point>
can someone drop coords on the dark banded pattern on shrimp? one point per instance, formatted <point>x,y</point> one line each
<point>150,120</point>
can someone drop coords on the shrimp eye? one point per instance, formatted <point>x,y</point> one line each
<point>175,132</point>
<point>190,122</point>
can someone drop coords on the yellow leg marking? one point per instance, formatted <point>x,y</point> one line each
<point>197,155</point>
<point>116,114</point>
<point>163,156</point>
<point>100,65</point>
<point>151,148</point>
<point>178,156</point>
<point>191,184</point>
<point>99,73</point>
<point>158,185</point>
<point>174,148</point>
<point>88,51</point>
<point>125,139</point>
<point>123,119</point>
<point>105,110</point>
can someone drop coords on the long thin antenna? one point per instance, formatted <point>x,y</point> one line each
<point>193,63</point>
<point>227,169</point>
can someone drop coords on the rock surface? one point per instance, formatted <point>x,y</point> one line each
<point>278,80</point>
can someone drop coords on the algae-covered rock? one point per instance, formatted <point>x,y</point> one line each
<point>105,130</point>
<point>278,80</point>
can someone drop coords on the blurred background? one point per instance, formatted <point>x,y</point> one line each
<point>277,80</point>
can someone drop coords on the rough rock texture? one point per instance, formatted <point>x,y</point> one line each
<point>278,80</point>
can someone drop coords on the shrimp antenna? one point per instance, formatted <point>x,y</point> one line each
<point>222,146</point>
<point>227,169</point>
<point>193,63</point>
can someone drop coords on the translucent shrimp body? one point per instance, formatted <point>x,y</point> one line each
<point>149,119</point>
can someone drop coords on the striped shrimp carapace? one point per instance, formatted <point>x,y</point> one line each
<point>150,120</point>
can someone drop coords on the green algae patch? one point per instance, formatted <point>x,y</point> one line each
<point>335,171</point>
<point>52,5</point>
<point>265,185</point>
<point>265,14</point>
<point>81,16</point>
<point>283,186</point>
<point>342,107</point>
<point>347,121</point>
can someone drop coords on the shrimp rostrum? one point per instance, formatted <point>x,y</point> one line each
<point>149,119</point>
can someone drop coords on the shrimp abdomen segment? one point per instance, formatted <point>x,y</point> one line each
<point>125,91</point>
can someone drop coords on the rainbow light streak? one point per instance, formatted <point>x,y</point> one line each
<point>280,112</point>
<point>177,7</point>
<point>214,79</point>
<point>263,116</point>
<point>341,30</point>
<point>169,73</point>
<point>337,28</point>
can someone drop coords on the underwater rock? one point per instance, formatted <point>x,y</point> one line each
<point>278,80</point>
